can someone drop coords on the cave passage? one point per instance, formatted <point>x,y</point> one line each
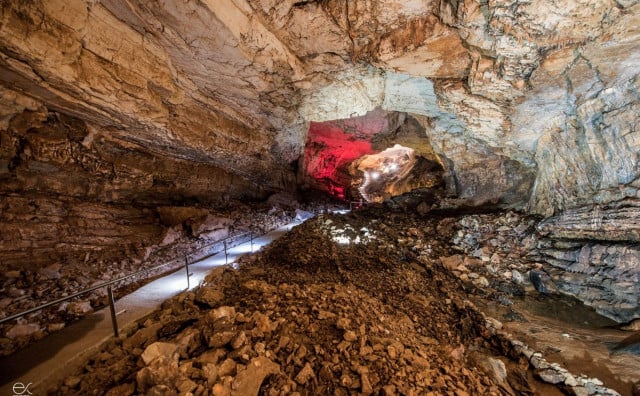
<point>372,157</point>
<point>467,174</point>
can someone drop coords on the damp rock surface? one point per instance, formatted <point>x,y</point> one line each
<point>315,314</point>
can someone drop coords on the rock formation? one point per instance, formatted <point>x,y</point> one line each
<point>112,108</point>
<point>375,314</point>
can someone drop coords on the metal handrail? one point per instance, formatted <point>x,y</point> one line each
<point>113,281</point>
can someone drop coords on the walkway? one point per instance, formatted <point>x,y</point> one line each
<point>61,353</point>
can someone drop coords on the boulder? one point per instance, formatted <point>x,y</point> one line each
<point>211,226</point>
<point>452,262</point>
<point>209,296</point>
<point>249,380</point>
<point>160,349</point>
<point>22,330</point>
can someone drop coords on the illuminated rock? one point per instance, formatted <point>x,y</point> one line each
<point>110,109</point>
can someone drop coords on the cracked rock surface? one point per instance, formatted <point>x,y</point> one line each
<point>313,314</point>
<point>111,109</point>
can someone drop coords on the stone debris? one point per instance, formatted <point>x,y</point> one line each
<point>23,330</point>
<point>25,288</point>
<point>79,308</point>
<point>159,349</point>
<point>248,381</point>
<point>355,319</point>
<point>209,296</point>
<point>542,282</point>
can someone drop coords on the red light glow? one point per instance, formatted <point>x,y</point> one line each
<point>332,146</point>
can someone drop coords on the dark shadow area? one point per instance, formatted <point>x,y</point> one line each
<point>566,309</point>
<point>16,365</point>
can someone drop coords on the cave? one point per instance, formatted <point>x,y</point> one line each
<point>260,197</point>
<point>362,158</point>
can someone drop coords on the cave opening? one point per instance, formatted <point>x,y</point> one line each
<point>370,158</point>
<point>170,159</point>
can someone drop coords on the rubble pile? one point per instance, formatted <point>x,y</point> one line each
<point>342,305</point>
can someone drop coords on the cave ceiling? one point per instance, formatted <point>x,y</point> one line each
<point>512,96</point>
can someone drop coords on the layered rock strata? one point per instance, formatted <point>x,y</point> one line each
<point>594,254</point>
<point>528,105</point>
<point>350,309</point>
<point>69,190</point>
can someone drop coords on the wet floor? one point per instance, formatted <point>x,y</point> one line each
<point>572,334</point>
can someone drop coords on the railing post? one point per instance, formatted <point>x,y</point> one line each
<point>226,257</point>
<point>112,308</point>
<point>186,266</point>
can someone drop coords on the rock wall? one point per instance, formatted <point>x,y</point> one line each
<point>530,105</point>
<point>584,104</point>
<point>145,76</point>
<point>593,253</point>
<point>521,86</point>
<point>68,190</point>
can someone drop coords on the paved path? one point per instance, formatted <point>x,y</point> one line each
<point>61,353</point>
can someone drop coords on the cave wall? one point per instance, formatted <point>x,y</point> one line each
<point>332,147</point>
<point>593,253</point>
<point>72,193</point>
<point>519,87</point>
<point>530,105</point>
<point>154,75</point>
<point>584,104</point>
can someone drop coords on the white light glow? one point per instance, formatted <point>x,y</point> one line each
<point>341,239</point>
<point>174,283</point>
<point>375,175</point>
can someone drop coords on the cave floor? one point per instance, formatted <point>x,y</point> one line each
<point>570,334</point>
<point>54,356</point>
<point>342,305</point>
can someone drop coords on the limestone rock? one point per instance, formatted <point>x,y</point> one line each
<point>22,330</point>
<point>402,328</point>
<point>248,381</point>
<point>163,370</point>
<point>126,389</point>
<point>496,369</point>
<point>159,350</point>
<point>452,262</point>
<point>305,374</point>
<point>214,227</point>
<point>51,272</point>
<point>79,308</point>
<point>209,296</point>
<point>542,282</point>
<point>551,376</point>
<point>222,312</point>
<point>593,254</point>
<point>177,215</point>
<point>112,109</point>
<point>220,339</point>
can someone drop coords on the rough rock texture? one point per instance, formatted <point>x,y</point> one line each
<point>86,264</point>
<point>375,156</point>
<point>594,254</point>
<point>67,191</point>
<point>522,87</point>
<point>526,104</point>
<point>314,315</point>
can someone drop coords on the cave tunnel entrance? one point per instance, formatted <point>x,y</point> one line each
<point>373,157</point>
